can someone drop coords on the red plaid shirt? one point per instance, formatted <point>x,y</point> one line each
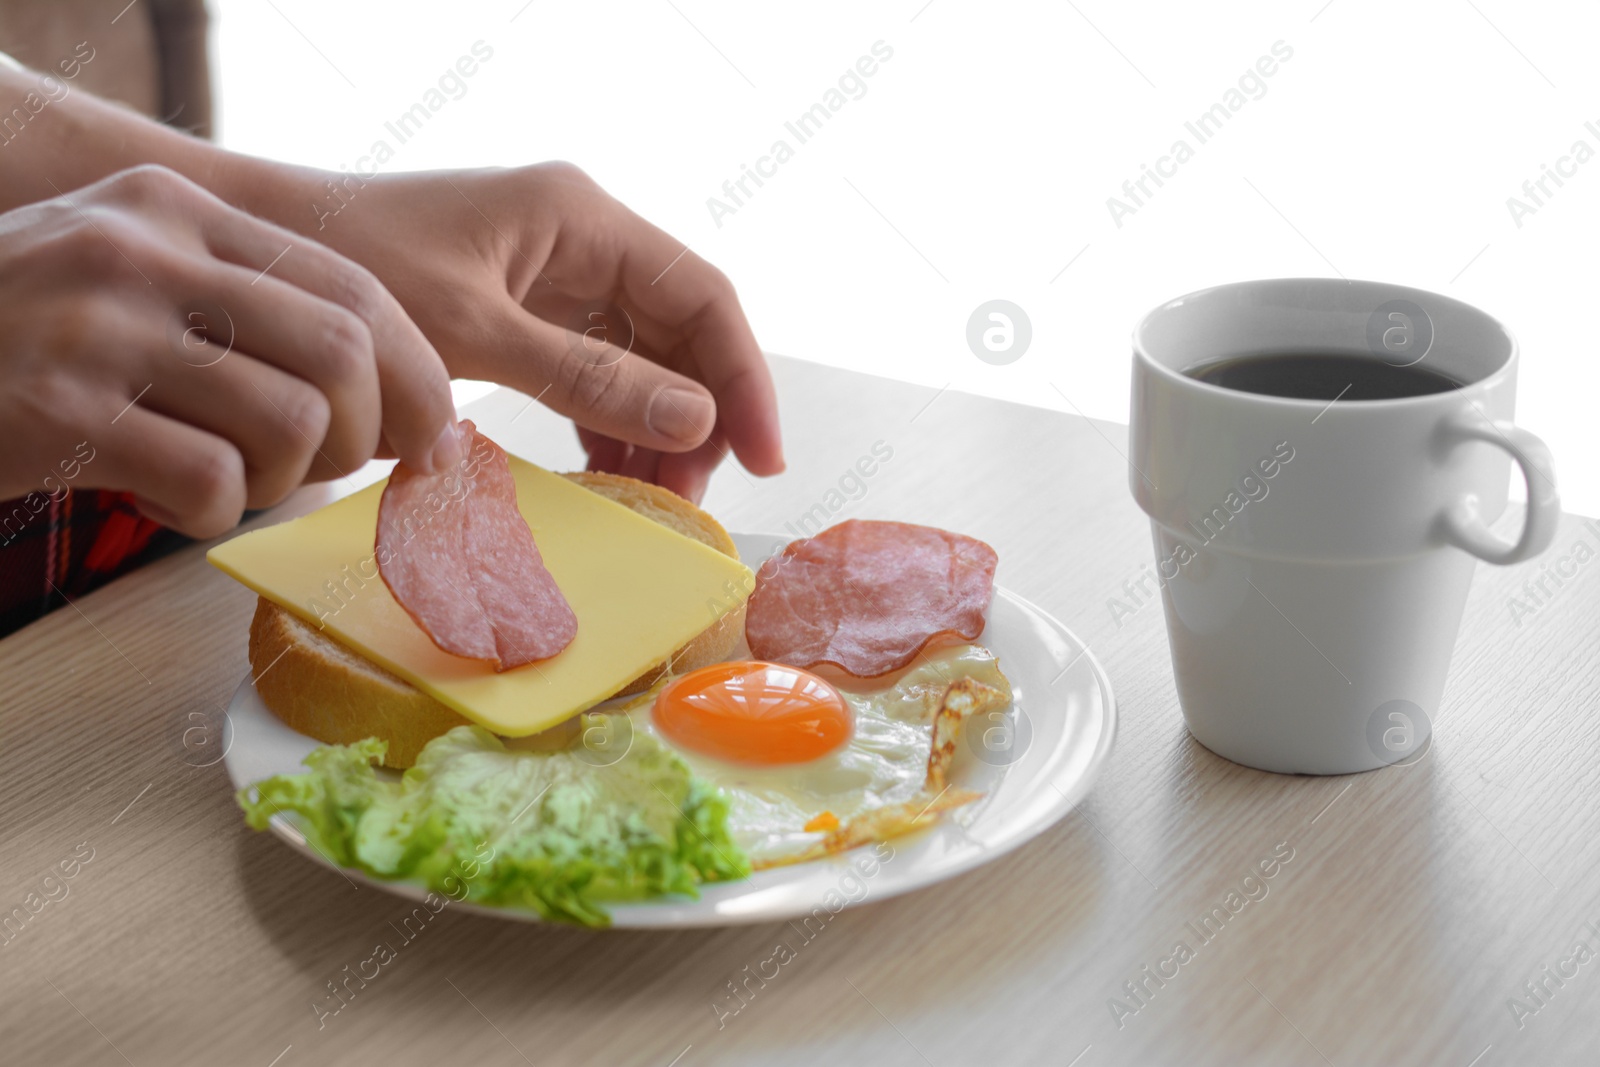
<point>56,547</point>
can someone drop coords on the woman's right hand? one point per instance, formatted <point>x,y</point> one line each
<point>207,361</point>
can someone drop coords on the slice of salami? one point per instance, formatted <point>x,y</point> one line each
<point>459,558</point>
<point>868,596</point>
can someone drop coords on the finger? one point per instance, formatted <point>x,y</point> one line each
<point>611,460</point>
<point>684,293</point>
<point>685,473</point>
<point>605,453</point>
<point>641,464</point>
<point>688,473</point>
<point>605,389</point>
<point>257,318</point>
<point>273,418</point>
<point>418,416</point>
<point>731,364</point>
<point>190,480</point>
<point>628,325</point>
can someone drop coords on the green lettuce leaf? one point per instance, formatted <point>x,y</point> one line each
<point>551,831</point>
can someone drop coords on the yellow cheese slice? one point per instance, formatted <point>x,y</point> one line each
<point>640,592</point>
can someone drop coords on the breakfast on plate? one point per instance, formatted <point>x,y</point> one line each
<point>558,666</point>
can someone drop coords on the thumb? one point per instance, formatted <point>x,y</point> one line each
<point>601,387</point>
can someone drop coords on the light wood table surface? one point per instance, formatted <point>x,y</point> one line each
<point>1417,901</point>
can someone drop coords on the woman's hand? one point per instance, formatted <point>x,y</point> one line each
<point>209,360</point>
<point>501,269</point>
<point>536,278</point>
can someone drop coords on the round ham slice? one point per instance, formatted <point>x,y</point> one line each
<point>868,596</point>
<point>459,558</point>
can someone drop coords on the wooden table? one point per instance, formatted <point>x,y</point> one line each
<point>1416,904</point>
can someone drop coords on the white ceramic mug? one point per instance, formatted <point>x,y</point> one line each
<point>1314,556</point>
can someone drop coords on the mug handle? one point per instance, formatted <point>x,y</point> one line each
<point>1462,526</point>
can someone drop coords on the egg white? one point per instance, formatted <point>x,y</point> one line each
<point>884,762</point>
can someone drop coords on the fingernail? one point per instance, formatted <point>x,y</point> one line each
<point>447,449</point>
<point>681,415</point>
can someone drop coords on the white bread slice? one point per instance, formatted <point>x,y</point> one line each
<point>325,691</point>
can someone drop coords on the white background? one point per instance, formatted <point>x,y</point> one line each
<point>978,163</point>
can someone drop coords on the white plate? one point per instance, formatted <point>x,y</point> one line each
<point>1062,725</point>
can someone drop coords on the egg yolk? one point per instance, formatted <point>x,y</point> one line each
<point>753,712</point>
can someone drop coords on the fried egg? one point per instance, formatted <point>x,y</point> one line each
<point>812,766</point>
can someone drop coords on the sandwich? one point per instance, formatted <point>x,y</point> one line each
<point>326,691</point>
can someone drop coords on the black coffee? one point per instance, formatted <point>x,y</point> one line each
<point>1323,376</point>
